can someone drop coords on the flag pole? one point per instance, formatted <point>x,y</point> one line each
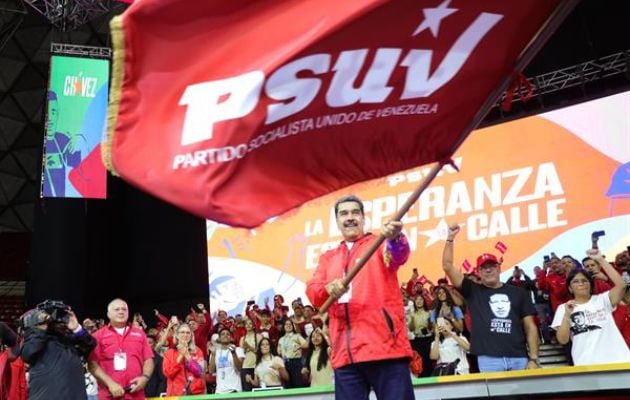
<point>397,217</point>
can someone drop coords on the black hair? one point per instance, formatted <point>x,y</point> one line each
<point>259,354</point>
<point>425,306</point>
<point>224,328</point>
<point>573,274</point>
<point>295,329</point>
<point>438,303</point>
<point>347,199</point>
<point>576,263</point>
<point>323,351</point>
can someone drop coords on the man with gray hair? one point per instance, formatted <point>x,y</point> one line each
<point>122,361</point>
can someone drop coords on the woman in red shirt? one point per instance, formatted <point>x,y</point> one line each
<point>183,366</point>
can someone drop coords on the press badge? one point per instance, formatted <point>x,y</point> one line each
<point>120,361</point>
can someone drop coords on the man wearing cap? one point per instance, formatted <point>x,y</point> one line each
<point>503,333</point>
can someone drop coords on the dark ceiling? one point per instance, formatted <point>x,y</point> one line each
<point>580,51</point>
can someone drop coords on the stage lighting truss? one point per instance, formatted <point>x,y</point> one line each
<point>68,15</point>
<point>80,50</point>
<point>11,15</point>
<point>576,75</point>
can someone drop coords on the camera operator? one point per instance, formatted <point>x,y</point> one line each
<point>54,343</point>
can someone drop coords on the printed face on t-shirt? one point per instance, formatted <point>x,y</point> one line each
<point>578,318</point>
<point>500,305</point>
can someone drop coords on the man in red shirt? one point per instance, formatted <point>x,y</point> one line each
<point>600,279</point>
<point>622,316</point>
<point>122,360</point>
<point>199,322</point>
<point>553,280</point>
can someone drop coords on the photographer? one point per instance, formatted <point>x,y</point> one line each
<point>54,343</point>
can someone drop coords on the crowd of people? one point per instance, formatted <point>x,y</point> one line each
<point>464,323</point>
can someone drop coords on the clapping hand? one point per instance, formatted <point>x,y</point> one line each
<point>184,351</point>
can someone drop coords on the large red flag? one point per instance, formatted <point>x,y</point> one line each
<point>239,110</point>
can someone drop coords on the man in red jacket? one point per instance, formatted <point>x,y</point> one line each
<point>600,279</point>
<point>199,322</point>
<point>371,349</point>
<point>553,280</point>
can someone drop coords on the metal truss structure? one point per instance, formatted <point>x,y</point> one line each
<point>67,15</point>
<point>577,75</point>
<point>79,50</point>
<point>11,15</point>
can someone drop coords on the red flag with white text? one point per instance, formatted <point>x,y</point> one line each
<point>240,110</point>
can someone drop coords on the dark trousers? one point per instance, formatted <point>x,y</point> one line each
<point>247,387</point>
<point>390,380</point>
<point>422,345</point>
<point>294,368</point>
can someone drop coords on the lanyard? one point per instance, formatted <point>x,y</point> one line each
<point>121,338</point>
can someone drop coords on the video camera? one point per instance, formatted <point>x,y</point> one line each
<point>58,310</point>
<point>47,312</point>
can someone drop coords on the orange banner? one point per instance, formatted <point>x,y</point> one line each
<point>526,184</point>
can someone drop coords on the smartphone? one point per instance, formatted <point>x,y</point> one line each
<point>546,258</point>
<point>415,270</point>
<point>174,320</point>
<point>597,234</point>
<point>251,303</point>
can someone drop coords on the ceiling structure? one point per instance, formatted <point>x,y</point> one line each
<point>587,57</point>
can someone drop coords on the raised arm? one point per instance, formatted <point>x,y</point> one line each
<point>619,285</point>
<point>453,273</point>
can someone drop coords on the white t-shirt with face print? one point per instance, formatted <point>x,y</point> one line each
<point>595,336</point>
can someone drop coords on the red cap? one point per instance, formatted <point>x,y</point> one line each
<point>486,257</point>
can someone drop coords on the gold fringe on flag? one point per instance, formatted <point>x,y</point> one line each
<point>118,70</point>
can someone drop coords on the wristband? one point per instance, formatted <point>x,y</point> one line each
<point>146,376</point>
<point>449,240</point>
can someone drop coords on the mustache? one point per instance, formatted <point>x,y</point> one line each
<point>350,222</point>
